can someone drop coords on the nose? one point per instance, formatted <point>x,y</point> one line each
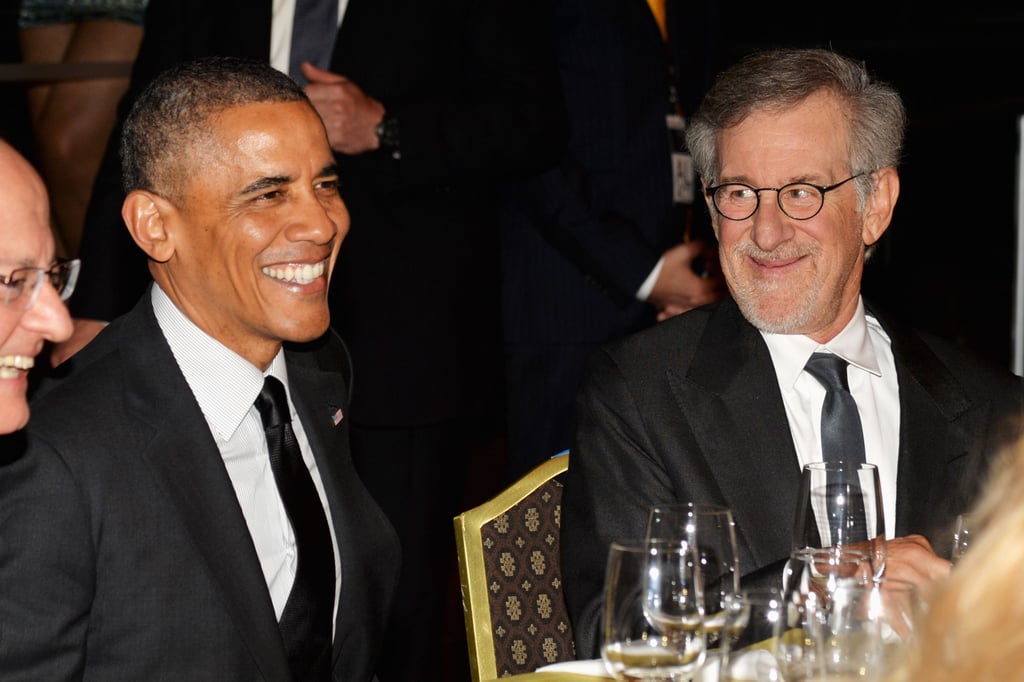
<point>48,316</point>
<point>771,226</point>
<point>321,219</point>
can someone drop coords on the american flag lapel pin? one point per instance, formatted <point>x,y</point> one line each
<point>336,415</point>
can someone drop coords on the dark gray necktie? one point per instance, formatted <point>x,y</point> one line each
<point>306,623</point>
<point>313,32</point>
<point>842,437</point>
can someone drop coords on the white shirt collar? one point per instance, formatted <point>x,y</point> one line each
<point>790,352</point>
<point>224,383</point>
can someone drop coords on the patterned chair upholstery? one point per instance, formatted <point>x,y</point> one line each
<point>511,577</point>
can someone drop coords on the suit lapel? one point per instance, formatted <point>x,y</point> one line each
<point>932,434</point>
<point>731,397</point>
<point>185,459</point>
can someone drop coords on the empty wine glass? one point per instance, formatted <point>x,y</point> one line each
<point>896,605</point>
<point>832,634</point>
<point>840,505</point>
<point>653,628</point>
<point>964,533</point>
<point>709,528</point>
<point>752,622</point>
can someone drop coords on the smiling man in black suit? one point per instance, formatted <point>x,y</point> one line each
<point>144,533</point>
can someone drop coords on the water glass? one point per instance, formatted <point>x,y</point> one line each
<point>840,505</point>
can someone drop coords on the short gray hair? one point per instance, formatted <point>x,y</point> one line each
<point>782,78</point>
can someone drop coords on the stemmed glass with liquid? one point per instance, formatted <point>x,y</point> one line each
<point>653,627</point>
<point>840,505</point>
<point>712,531</point>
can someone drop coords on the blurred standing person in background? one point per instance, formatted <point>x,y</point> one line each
<point>33,285</point>
<point>72,117</point>
<point>427,106</point>
<point>597,247</point>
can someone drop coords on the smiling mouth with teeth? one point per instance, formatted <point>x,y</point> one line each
<point>12,366</point>
<point>300,274</point>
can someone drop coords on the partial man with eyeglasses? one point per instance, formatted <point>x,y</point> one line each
<point>797,152</point>
<point>33,285</point>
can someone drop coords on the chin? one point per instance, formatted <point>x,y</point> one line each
<point>303,333</point>
<point>13,417</point>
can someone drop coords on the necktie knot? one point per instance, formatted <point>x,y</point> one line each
<point>829,370</point>
<point>842,437</point>
<point>272,403</point>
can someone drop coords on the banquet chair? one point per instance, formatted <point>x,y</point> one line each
<point>511,578</point>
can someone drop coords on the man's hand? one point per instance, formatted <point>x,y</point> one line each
<point>85,331</point>
<point>912,558</point>
<point>679,288</point>
<point>349,114</point>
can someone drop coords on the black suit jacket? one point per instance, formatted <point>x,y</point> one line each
<point>415,291</point>
<point>125,554</point>
<point>690,410</point>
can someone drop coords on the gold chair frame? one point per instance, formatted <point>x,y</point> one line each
<point>476,585</point>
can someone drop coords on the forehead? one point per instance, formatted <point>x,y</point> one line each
<point>810,137</point>
<point>261,138</point>
<point>25,237</point>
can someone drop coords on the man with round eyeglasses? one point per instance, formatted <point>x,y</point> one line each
<point>798,152</point>
<point>32,286</point>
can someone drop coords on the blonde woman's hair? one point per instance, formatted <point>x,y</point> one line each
<point>973,628</point>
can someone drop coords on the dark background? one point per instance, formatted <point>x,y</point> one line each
<point>947,262</point>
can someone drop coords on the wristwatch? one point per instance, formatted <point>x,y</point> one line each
<point>387,135</point>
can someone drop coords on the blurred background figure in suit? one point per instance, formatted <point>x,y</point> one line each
<point>597,247</point>
<point>71,119</point>
<point>427,106</point>
<point>32,286</point>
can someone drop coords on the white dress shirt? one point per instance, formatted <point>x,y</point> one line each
<point>282,17</point>
<point>226,386</point>
<point>872,375</point>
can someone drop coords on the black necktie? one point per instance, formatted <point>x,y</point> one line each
<point>842,437</point>
<point>306,623</point>
<point>313,32</point>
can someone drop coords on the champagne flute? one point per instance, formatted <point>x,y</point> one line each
<point>711,530</point>
<point>840,505</point>
<point>653,628</point>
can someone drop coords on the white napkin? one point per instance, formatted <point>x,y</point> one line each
<point>595,668</point>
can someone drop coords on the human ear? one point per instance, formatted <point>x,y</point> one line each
<point>880,204</point>
<point>147,215</point>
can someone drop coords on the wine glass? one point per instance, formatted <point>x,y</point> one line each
<point>653,626</point>
<point>830,631</point>
<point>840,505</point>
<point>964,533</point>
<point>752,623</point>
<point>709,528</point>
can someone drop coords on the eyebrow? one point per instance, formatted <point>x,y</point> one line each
<point>277,180</point>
